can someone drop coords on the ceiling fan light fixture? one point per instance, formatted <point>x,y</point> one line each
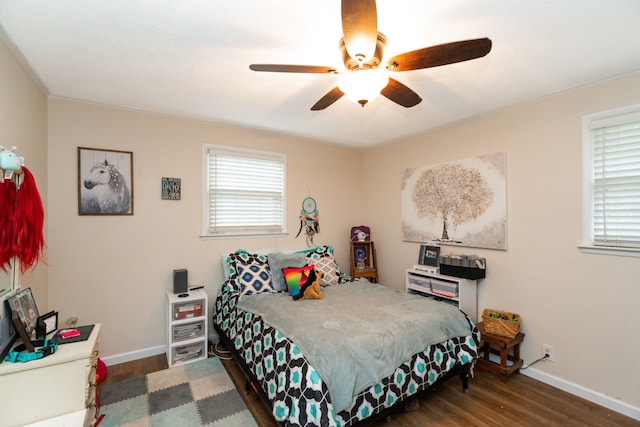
<point>362,86</point>
<point>362,49</point>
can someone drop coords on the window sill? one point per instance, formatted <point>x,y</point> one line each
<point>241,236</point>
<point>610,250</point>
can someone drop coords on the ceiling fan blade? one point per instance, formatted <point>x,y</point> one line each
<point>442,54</point>
<point>280,68</point>
<point>400,94</point>
<point>329,98</point>
<point>360,27</point>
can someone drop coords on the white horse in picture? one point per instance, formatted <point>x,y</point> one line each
<point>106,191</point>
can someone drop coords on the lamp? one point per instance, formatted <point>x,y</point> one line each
<point>361,47</point>
<point>363,85</point>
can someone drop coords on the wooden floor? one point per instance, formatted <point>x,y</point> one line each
<point>521,401</point>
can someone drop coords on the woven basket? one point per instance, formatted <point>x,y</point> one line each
<point>507,325</point>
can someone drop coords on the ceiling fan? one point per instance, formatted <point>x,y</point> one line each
<point>362,49</point>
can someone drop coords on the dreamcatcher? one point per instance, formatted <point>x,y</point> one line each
<point>309,220</point>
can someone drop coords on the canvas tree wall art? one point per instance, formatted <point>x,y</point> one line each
<point>463,202</point>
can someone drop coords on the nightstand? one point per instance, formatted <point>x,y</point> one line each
<point>186,327</point>
<point>500,345</point>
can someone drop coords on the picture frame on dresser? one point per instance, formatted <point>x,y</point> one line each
<point>46,324</point>
<point>24,335</point>
<point>24,306</point>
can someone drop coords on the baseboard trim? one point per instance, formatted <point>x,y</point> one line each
<point>133,355</point>
<point>583,392</point>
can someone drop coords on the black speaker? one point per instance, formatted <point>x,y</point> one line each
<point>180,282</point>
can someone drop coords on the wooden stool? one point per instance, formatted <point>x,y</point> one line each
<point>496,344</point>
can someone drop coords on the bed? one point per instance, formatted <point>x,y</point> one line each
<point>353,356</point>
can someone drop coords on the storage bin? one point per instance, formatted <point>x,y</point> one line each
<point>503,323</point>
<point>188,331</point>
<point>464,272</point>
<point>421,282</point>
<point>187,310</point>
<point>187,352</point>
<point>467,267</point>
<point>444,287</point>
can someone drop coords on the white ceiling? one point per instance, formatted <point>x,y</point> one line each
<point>190,58</point>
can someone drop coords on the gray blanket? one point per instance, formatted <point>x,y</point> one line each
<point>359,333</point>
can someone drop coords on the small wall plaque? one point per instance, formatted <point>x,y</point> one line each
<point>171,188</point>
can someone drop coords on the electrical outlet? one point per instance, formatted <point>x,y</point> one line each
<point>548,350</point>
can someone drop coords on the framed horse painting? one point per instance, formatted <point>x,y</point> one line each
<point>105,182</point>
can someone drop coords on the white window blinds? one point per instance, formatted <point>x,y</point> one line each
<point>245,192</point>
<point>616,181</point>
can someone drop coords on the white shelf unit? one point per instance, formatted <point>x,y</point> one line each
<point>186,327</point>
<point>422,282</point>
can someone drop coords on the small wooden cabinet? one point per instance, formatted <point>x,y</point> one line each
<point>363,260</point>
<point>56,385</point>
<point>507,348</point>
<point>186,327</point>
<point>460,292</point>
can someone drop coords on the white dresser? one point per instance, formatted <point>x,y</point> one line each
<point>56,385</point>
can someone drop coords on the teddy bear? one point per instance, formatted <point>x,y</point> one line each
<point>311,288</point>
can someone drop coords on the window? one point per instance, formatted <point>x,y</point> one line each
<point>244,192</point>
<point>612,180</point>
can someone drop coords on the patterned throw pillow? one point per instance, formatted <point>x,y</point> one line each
<point>296,277</point>
<point>227,268</point>
<point>251,272</point>
<point>240,257</point>
<point>325,263</point>
<point>254,278</point>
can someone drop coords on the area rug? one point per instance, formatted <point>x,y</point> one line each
<point>195,394</point>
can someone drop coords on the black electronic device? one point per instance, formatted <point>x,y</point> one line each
<point>180,281</point>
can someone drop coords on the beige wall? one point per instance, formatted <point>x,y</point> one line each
<point>23,123</point>
<point>584,305</point>
<point>114,269</point>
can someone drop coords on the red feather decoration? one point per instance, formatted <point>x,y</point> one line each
<point>7,209</point>
<point>28,222</point>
